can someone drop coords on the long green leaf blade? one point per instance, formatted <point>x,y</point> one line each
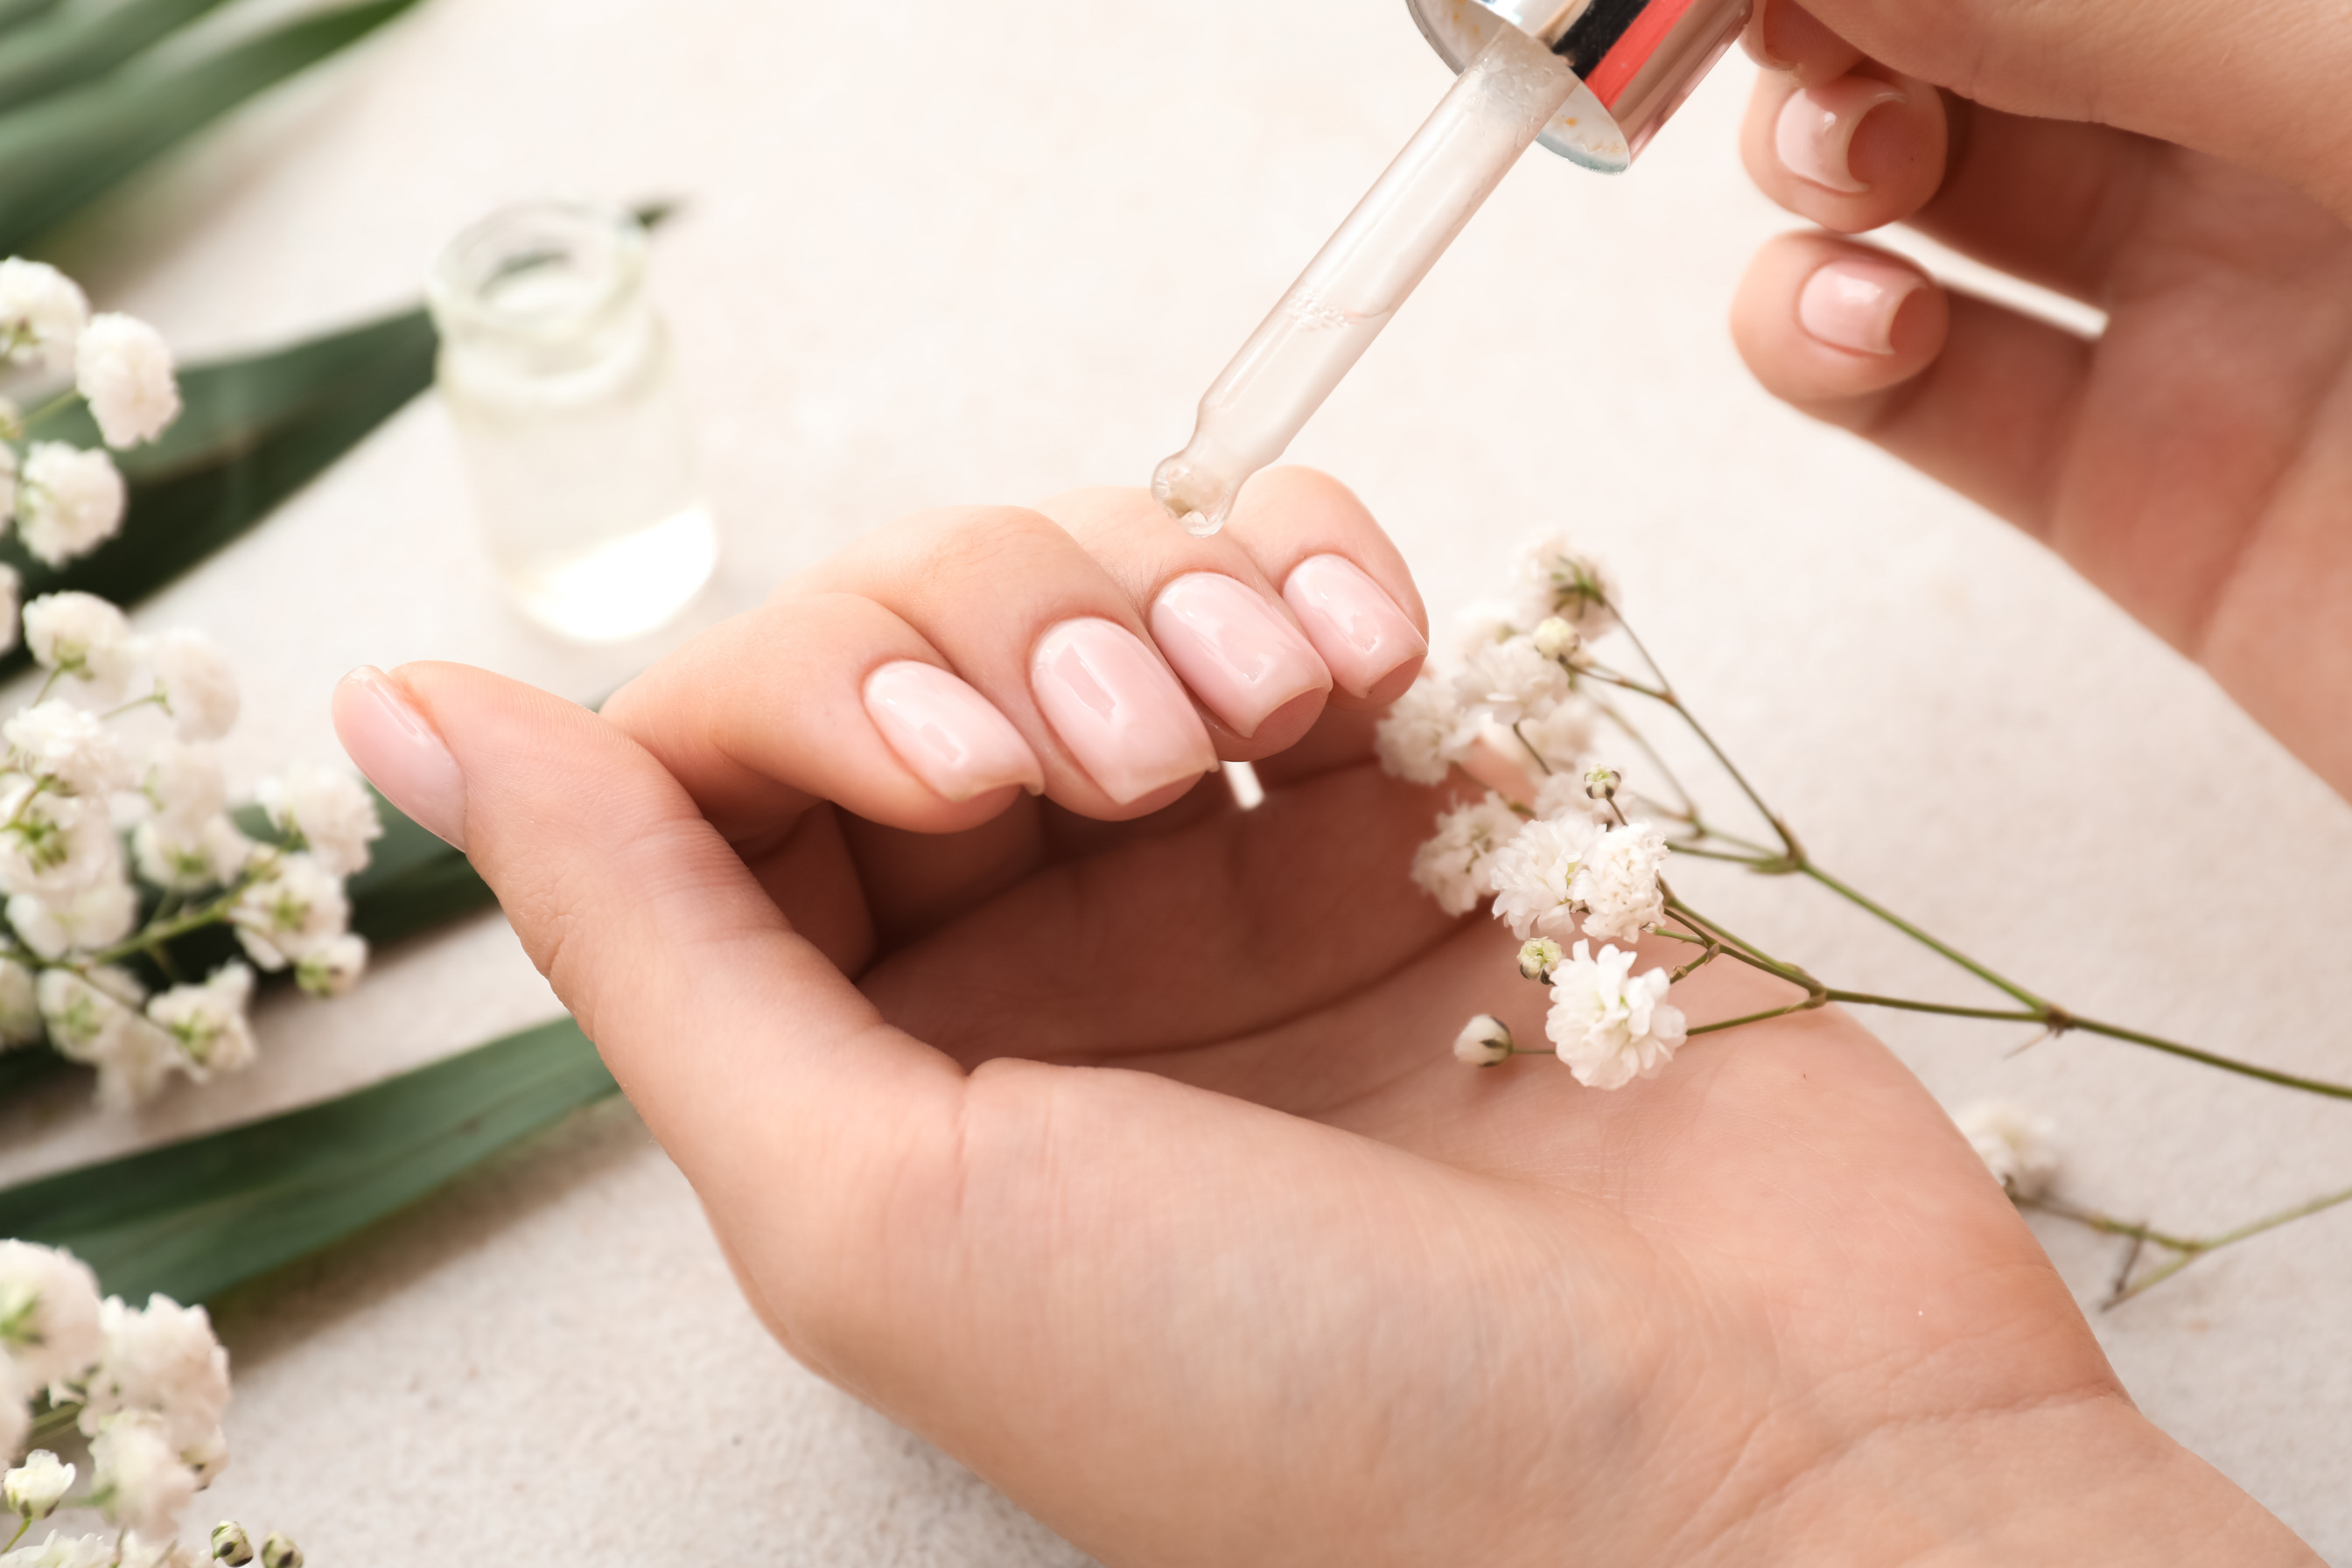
<point>61,153</point>
<point>16,13</point>
<point>194,1219</point>
<point>68,47</point>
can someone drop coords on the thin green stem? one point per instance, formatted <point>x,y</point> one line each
<point>1807,1006</point>
<point>2186,1249</point>
<point>2190,1053</point>
<point>1951,952</point>
<point>156,698</point>
<point>24,1524</point>
<point>58,405</point>
<point>1530,745</point>
<point>1689,812</point>
<point>2003,1015</point>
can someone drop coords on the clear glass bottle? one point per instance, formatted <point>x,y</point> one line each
<point>558,376</point>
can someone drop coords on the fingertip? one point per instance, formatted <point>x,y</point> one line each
<point>1853,153</point>
<point>390,740</point>
<point>1782,35</point>
<point>1828,325</point>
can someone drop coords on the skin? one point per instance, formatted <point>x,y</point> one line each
<point>1116,1148</point>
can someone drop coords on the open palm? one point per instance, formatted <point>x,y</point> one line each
<point>1117,1146</point>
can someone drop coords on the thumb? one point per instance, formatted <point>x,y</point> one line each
<point>2258,82</point>
<point>773,1084</point>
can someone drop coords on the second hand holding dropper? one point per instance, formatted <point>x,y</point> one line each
<point>1647,53</point>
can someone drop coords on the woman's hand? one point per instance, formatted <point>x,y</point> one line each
<point>2186,166</point>
<point>1111,1138</point>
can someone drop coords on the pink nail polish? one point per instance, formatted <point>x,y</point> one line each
<point>1116,708</point>
<point>1852,305</point>
<point>1359,631</point>
<point>1237,653</point>
<point>401,753</point>
<point>1815,133</point>
<point>951,736</point>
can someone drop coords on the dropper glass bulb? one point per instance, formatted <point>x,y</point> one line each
<point>1498,105</point>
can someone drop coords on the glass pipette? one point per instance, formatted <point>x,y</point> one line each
<point>1499,104</point>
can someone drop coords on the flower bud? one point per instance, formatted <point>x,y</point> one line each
<point>1539,957</point>
<point>1484,1042</point>
<point>1601,784</point>
<point>1556,639</point>
<point>278,1552</point>
<point>231,1545</point>
<point>32,1488</point>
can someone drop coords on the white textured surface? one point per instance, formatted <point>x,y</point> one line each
<point>939,253</point>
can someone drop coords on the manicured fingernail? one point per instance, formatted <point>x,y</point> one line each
<point>1359,631</point>
<point>1852,304</point>
<point>952,738</point>
<point>1116,708</point>
<point>401,753</point>
<point>1815,134</point>
<point>1238,653</point>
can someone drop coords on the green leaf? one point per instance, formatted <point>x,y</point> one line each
<point>62,152</point>
<point>68,47</point>
<point>15,12</point>
<point>253,432</point>
<point>194,1219</point>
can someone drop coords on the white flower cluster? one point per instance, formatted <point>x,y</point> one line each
<point>66,501</point>
<point>1560,865</point>
<point>2018,1147</point>
<point>148,1385</point>
<point>71,777</point>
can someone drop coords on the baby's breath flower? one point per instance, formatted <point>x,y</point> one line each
<point>197,685</point>
<point>1561,796</point>
<point>1538,957</point>
<point>1534,876</point>
<point>1562,737</point>
<point>83,636</point>
<point>84,920</point>
<point>1610,1026</point>
<point>53,847</point>
<point>2018,1147</point>
<point>138,1479</point>
<point>68,502</point>
<point>7,472</point>
<point>1508,681</point>
<point>279,1552</point>
<point>1619,886</point>
<point>99,1024</point>
<point>183,861</point>
<point>50,1328</point>
<point>62,1550</point>
<point>334,967</point>
<point>42,312</point>
<point>1557,640</point>
<point>137,1552</point>
<point>161,1359</point>
<point>1453,867</point>
<point>231,1545</point>
<point>1486,623</point>
<point>209,1021</point>
<point>184,785</point>
<point>1484,1042</point>
<point>285,916</point>
<point>1421,734</point>
<point>328,810</point>
<point>123,367</point>
<point>1562,583</point>
<point>68,746</point>
<point>20,1016</point>
<point>1601,783</point>
<point>33,1489</point>
<point>17,1395</point>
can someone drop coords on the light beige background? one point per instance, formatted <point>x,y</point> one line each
<point>941,252</point>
